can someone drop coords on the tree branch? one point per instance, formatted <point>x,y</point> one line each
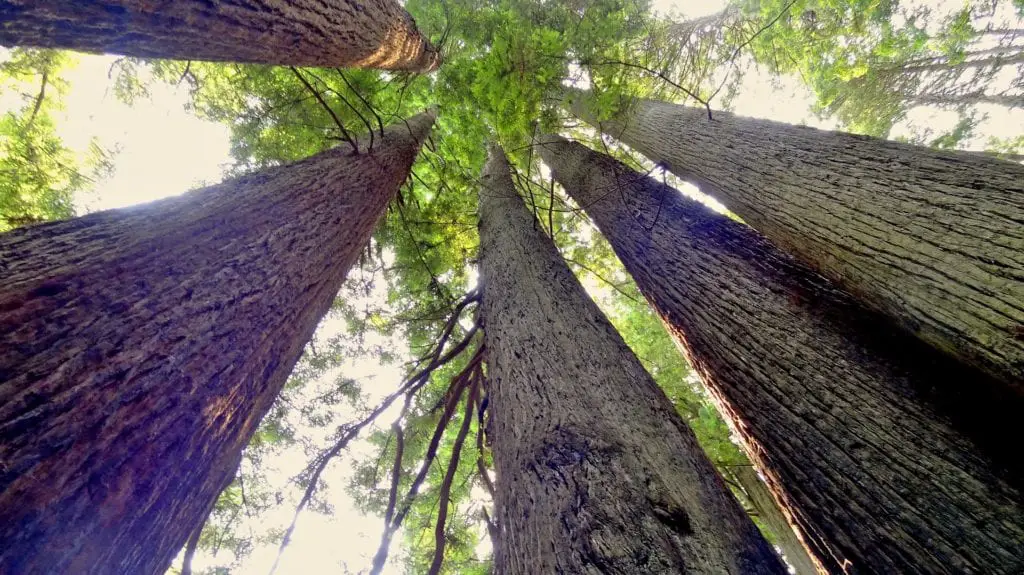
<point>446,485</point>
<point>320,98</point>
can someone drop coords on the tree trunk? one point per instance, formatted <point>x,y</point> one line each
<point>139,349</point>
<point>828,401</point>
<point>972,99</point>
<point>934,239</point>
<point>763,502</point>
<point>597,473</point>
<point>327,33</point>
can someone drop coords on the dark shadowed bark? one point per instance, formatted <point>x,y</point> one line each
<point>139,349</point>
<point>833,405</point>
<point>327,33</point>
<point>596,472</point>
<point>934,239</point>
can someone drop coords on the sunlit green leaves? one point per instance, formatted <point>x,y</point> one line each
<point>39,175</point>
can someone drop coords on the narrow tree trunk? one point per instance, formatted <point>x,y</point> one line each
<point>1001,57</point>
<point>763,502</point>
<point>829,402</point>
<point>328,33</point>
<point>139,349</point>
<point>1010,101</point>
<point>597,473</point>
<point>934,239</point>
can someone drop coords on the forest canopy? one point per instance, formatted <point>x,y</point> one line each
<point>882,68</point>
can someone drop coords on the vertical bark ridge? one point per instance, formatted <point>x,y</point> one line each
<point>596,471</point>
<point>931,238</point>
<point>834,407</point>
<point>327,33</point>
<point>139,349</point>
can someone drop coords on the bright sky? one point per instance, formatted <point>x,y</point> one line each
<point>164,150</point>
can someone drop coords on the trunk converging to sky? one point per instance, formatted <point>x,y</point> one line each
<point>326,33</point>
<point>139,349</point>
<point>771,515</point>
<point>932,238</point>
<point>596,471</point>
<point>827,398</point>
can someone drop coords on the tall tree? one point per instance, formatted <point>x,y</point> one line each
<point>829,403</point>
<point>350,33</point>
<point>596,470</point>
<point>139,349</point>
<point>931,238</point>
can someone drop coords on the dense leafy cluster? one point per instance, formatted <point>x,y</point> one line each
<point>39,175</point>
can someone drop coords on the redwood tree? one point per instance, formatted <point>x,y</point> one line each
<point>596,471</point>
<point>327,33</point>
<point>932,238</point>
<point>139,349</point>
<point>830,404</point>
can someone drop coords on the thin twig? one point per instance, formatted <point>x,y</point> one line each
<point>389,530</point>
<point>602,278</point>
<point>663,77</point>
<point>320,98</point>
<point>39,100</point>
<point>349,432</point>
<point>380,122</point>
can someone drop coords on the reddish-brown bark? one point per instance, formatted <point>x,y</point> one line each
<point>326,33</point>
<point>139,349</point>
<point>596,471</point>
<point>836,407</point>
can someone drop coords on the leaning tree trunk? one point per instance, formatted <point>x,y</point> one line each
<point>597,473</point>
<point>830,404</point>
<point>934,239</point>
<point>769,512</point>
<point>139,349</point>
<point>327,33</point>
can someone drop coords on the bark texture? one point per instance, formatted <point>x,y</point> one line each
<point>139,349</point>
<point>327,33</point>
<point>596,472</point>
<point>831,404</point>
<point>933,239</point>
<point>769,512</point>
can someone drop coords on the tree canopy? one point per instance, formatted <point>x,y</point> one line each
<point>506,64</point>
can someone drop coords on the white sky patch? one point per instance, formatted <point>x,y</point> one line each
<point>162,149</point>
<point>686,8</point>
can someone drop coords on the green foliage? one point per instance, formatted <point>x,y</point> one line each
<point>871,61</point>
<point>507,63</point>
<point>39,175</point>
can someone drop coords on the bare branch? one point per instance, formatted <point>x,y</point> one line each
<point>446,485</point>
<point>320,98</point>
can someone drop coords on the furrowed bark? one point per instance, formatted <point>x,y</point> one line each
<point>326,33</point>
<point>836,408</point>
<point>139,349</point>
<point>931,238</point>
<point>596,472</point>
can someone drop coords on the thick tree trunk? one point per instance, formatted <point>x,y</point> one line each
<point>934,239</point>
<point>597,473</point>
<point>769,512</point>
<point>328,33</point>
<point>829,402</point>
<point>139,349</point>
